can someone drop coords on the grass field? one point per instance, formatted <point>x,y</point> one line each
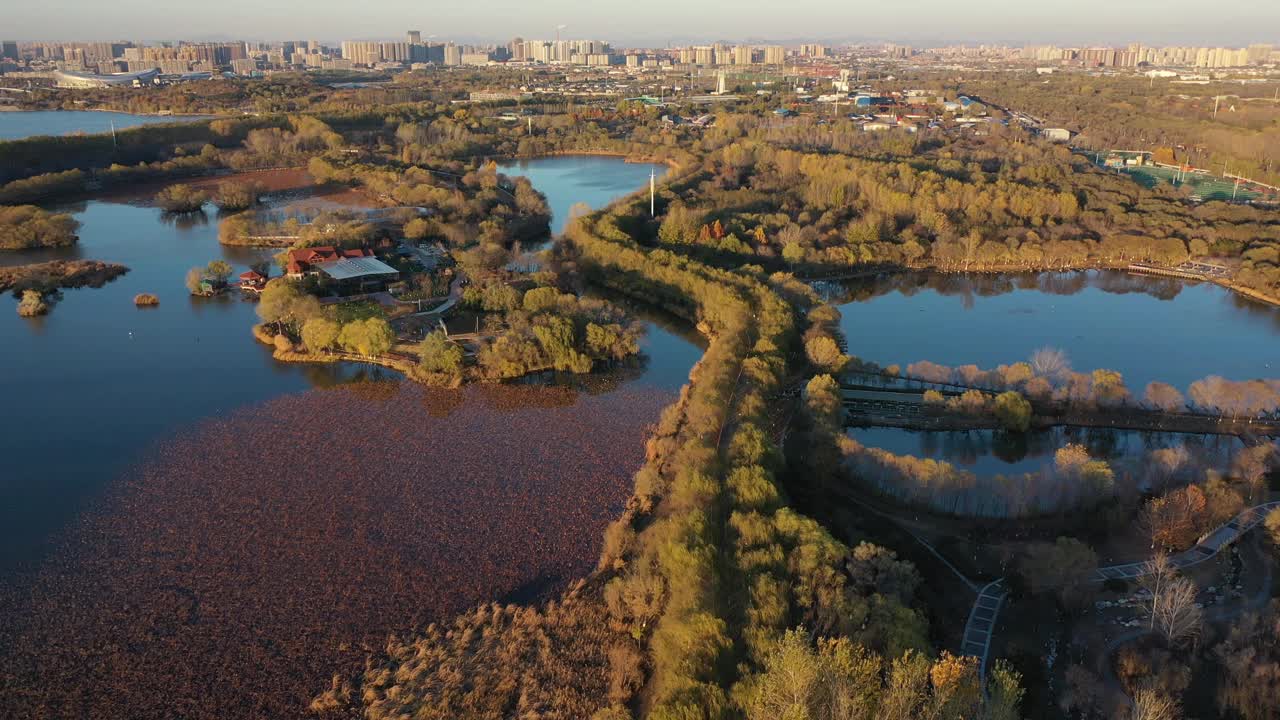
<point>1204,187</point>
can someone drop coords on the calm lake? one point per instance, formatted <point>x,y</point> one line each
<point>18,125</point>
<point>1147,328</point>
<point>572,179</point>
<point>92,385</point>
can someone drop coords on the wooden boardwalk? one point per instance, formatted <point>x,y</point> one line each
<point>981,625</point>
<point>905,408</point>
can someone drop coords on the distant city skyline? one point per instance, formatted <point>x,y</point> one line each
<point>657,23</point>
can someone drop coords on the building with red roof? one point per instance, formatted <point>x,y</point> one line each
<point>303,261</point>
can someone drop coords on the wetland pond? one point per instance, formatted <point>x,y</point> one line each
<point>1147,328</point>
<point>24,124</point>
<point>192,529</point>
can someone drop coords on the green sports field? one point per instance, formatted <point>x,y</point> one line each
<point>1205,187</point>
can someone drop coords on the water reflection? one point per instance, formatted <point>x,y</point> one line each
<point>102,380</point>
<point>185,220</point>
<point>991,452</point>
<point>1147,328</point>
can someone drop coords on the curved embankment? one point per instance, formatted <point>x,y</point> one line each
<point>980,627</point>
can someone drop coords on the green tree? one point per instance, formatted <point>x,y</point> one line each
<point>417,229</point>
<point>284,303</point>
<point>438,354</point>
<point>1013,411</point>
<point>825,354</point>
<point>320,334</point>
<point>500,297</point>
<point>219,270</point>
<point>540,299</point>
<point>370,337</point>
<point>181,199</point>
<point>793,252</point>
<point>1004,693</point>
<point>822,400</point>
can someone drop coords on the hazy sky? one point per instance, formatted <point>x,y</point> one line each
<point>654,22</point>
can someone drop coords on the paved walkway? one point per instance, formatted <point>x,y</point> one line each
<point>986,608</point>
<point>455,296</point>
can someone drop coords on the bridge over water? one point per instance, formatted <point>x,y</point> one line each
<point>905,407</point>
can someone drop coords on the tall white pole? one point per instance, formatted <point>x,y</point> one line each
<point>653,180</point>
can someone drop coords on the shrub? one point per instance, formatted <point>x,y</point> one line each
<point>145,300</point>
<point>236,195</point>
<point>27,226</point>
<point>1013,411</point>
<point>181,199</point>
<point>32,304</point>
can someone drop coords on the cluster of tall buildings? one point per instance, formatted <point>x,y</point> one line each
<point>556,51</point>
<point>168,58</point>
<point>1136,55</point>
<point>567,52</point>
<point>722,54</point>
<point>414,50</point>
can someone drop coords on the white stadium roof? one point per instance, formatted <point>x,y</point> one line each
<point>66,78</point>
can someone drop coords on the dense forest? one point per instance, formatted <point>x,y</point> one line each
<point>1129,113</point>
<point>813,198</point>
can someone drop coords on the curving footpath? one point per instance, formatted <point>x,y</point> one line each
<point>981,625</point>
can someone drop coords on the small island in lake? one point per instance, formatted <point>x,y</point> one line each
<point>26,227</point>
<point>49,276</point>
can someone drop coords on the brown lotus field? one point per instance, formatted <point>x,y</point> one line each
<point>250,558</point>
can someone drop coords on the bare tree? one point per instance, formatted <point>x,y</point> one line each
<point>1172,606</point>
<point>1050,363</point>
<point>1163,396</point>
<point>1250,465</point>
<point>1159,571</point>
<point>1177,616</point>
<point>1150,704</point>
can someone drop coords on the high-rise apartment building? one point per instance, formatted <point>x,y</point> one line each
<point>415,37</point>
<point>9,49</point>
<point>395,52</point>
<point>519,52</point>
<point>362,53</point>
<point>775,55</point>
<point>743,55</point>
